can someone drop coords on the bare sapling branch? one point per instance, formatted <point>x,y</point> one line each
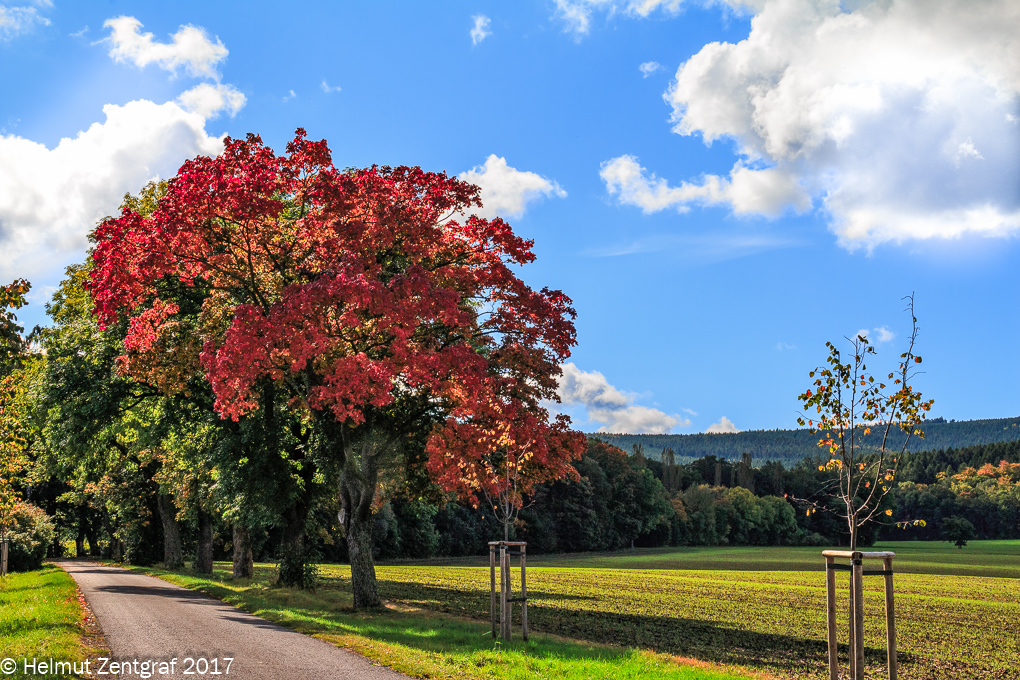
<point>846,405</point>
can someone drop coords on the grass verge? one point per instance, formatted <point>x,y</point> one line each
<point>429,644</point>
<point>42,620</point>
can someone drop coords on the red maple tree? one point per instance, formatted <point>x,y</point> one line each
<point>370,295</point>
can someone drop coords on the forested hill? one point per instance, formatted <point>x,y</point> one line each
<point>789,446</point>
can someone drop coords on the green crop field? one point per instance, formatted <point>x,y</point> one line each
<point>957,610</point>
<point>978,558</point>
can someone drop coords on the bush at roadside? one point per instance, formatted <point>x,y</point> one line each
<point>30,534</point>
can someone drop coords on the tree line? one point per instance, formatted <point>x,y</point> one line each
<point>619,501</point>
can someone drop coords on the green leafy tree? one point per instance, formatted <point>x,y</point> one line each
<point>13,434</point>
<point>958,530</point>
<point>96,433</point>
<point>13,345</point>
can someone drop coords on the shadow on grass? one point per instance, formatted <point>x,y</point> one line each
<point>22,625</point>
<point>32,576</point>
<point>771,652</point>
<point>5,588</point>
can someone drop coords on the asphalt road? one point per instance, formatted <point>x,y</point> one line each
<point>179,630</point>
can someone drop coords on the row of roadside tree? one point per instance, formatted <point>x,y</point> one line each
<point>268,357</point>
<point>264,337</point>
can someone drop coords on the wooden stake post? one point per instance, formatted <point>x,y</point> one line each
<point>505,550</point>
<point>857,572</point>
<point>4,540</point>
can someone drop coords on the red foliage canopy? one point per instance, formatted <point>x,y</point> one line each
<point>351,288</point>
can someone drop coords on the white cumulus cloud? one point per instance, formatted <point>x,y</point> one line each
<point>21,19</point>
<point>50,198</point>
<point>327,88</point>
<point>606,404</point>
<point>767,191</point>
<point>506,191</point>
<point>209,100</point>
<point>648,68</point>
<point>480,31</point>
<point>580,387</point>
<point>893,115</point>
<point>190,48</point>
<point>724,426</point>
<point>877,335</point>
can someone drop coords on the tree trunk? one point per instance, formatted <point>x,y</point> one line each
<point>293,560</point>
<point>358,480</point>
<point>204,558</point>
<point>116,545</point>
<point>173,556</point>
<point>359,545</point>
<point>79,540</point>
<point>244,565</point>
<point>93,538</point>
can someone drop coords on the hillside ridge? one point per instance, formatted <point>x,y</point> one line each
<point>789,446</point>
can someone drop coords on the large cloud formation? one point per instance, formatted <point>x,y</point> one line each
<point>606,404</point>
<point>901,118</point>
<point>51,198</point>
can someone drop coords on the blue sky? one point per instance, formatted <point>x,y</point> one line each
<point>720,186</point>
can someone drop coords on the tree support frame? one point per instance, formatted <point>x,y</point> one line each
<point>857,572</point>
<point>505,550</point>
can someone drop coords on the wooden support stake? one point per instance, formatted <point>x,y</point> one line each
<point>504,613</point>
<point>506,588</point>
<point>858,650</point>
<point>492,587</point>
<point>3,556</point>
<point>524,594</point>
<point>502,592</point>
<point>857,573</point>
<point>852,630</point>
<point>830,616</point>
<point>890,620</point>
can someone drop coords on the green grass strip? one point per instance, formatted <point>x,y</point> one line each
<point>40,620</point>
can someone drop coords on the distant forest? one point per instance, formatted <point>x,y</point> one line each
<point>791,446</point>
